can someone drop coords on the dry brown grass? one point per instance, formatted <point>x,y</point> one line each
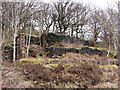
<point>79,57</point>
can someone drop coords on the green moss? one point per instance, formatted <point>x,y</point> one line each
<point>10,42</point>
<point>108,66</point>
<point>104,78</point>
<point>114,59</point>
<point>78,48</point>
<point>63,54</point>
<point>48,67</point>
<point>71,75</point>
<point>61,84</point>
<point>38,56</point>
<point>23,51</point>
<point>53,65</point>
<point>111,55</point>
<point>71,85</point>
<point>96,48</point>
<point>52,59</point>
<point>66,65</point>
<point>33,60</point>
<point>38,62</point>
<point>95,65</point>
<point>66,85</point>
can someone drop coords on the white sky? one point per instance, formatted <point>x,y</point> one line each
<point>99,3</point>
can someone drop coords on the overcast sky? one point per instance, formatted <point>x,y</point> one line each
<point>99,3</point>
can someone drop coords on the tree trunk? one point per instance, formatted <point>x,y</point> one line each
<point>95,34</point>
<point>109,47</point>
<point>115,44</point>
<point>72,32</point>
<point>77,32</point>
<point>14,47</point>
<point>29,44</point>
<point>109,51</point>
<point>15,32</point>
<point>27,38</point>
<point>105,37</point>
<point>54,27</point>
<point>82,33</point>
<point>40,32</point>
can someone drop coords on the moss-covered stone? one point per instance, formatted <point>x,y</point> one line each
<point>84,50</point>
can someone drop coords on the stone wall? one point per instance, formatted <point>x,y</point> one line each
<point>84,50</point>
<point>54,38</point>
<point>51,40</point>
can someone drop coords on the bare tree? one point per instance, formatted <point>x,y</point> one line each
<point>62,16</point>
<point>16,19</point>
<point>79,19</point>
<point>70,16</point>
<point>17,16</point>
<point>119,30</point>
<point>112,17</point>
<point>47,15</point>
<point>95,25</point>
<point>28,46</point>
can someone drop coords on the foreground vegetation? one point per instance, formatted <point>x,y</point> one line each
<point>62,72</point>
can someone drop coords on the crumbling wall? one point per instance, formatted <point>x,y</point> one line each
<point>51,40</point>
<point>84,50</point>
<point>54,38</point>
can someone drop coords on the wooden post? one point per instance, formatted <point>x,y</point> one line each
<point>18,48</point>
<point>22,45</point>
<point>44,40</point>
